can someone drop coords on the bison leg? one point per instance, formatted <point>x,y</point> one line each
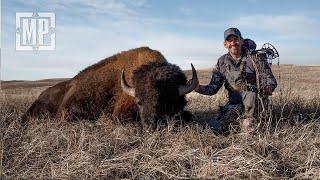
<point>38,109</point>
<point>125,109</point>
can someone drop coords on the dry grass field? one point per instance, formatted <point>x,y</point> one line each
<point>287,147</point>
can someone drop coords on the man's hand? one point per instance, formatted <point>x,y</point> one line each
<point>268,90</point>
<point>231,78</point>
<point>235,78</point>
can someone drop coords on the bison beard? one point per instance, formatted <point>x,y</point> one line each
<point>157,93</point>
<point>97,89</point>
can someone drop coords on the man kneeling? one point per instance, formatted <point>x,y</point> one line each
<point>237,70</point>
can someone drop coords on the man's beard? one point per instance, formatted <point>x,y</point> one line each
<point>235,49</point>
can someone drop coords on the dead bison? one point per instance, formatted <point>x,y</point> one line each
<point>157,90</point>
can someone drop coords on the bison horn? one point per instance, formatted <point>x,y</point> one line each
<point>185,89</point>
<point>125,87</point>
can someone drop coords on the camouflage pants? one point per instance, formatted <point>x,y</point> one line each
<point>241,113</point>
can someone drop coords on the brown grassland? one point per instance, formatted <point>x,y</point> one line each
<point>288,145</point>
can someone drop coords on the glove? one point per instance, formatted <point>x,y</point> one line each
<point>267,90</point>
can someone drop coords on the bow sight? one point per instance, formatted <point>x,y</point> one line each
<point>267,49</point>
<point>270,51</point>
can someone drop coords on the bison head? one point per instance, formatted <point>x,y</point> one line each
<point>159,90</point>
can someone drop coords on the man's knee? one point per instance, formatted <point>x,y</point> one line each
<point>215,124</point>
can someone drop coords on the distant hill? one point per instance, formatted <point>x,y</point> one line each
<point>300,76</point>
<point>31,84</point>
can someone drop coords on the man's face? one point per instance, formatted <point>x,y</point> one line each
<point>234,44</point>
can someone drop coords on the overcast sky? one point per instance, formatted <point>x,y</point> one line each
<point>184,31</point>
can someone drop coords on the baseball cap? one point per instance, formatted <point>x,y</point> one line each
<point>232,31</point>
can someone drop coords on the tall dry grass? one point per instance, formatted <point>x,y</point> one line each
<point>50,148</point>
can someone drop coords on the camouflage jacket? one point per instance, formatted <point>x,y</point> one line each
<point>227,70</point>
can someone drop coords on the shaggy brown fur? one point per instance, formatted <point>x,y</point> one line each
<point>96,89</point>
<point>156,86</point>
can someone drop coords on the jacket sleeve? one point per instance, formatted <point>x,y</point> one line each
<point>214,84</point>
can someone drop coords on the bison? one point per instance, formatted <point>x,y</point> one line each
<point>157,89</point>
